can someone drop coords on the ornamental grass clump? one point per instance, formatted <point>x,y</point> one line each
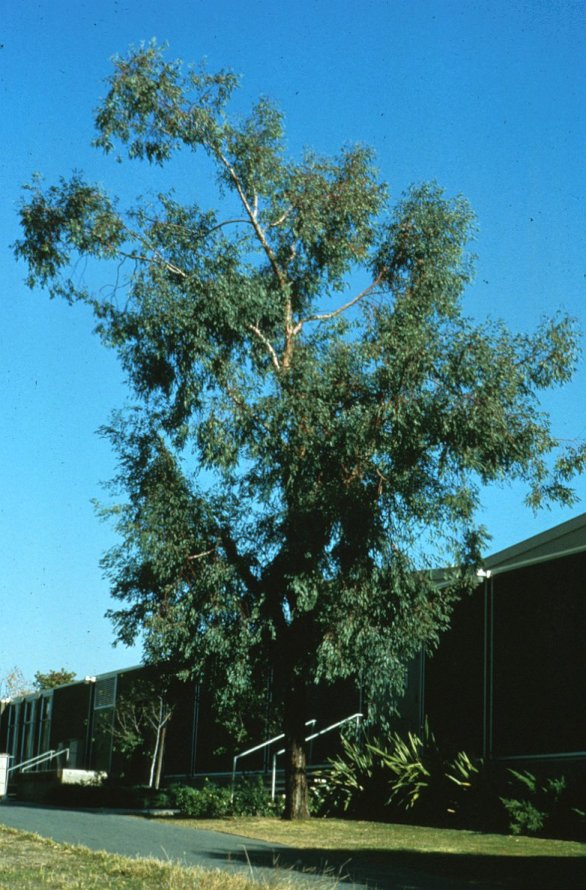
<point>405,778</point>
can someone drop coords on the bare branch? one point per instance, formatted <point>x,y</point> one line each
<point>171,266</point>
<point>156,255</point>
<point>280,221</point>
<point>155,259</point>
<point>201,555</point>
<point>251,212</point>
<point>226,222</point>
<point>367,292</point>
<point>268,344</point>
<point>279,274</point>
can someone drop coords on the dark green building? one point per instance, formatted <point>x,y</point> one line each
<point>507,683</point>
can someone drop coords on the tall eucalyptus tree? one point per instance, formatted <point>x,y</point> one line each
<point>313,408</point>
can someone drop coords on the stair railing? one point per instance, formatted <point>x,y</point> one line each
<point>36,761</point>
<point>356,717</point>
<point>256,748</point>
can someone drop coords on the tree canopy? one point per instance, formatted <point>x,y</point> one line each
<point>314,412</point>
<point>51,679</point>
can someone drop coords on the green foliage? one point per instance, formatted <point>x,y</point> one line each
<point>402,777</point>
<point>355,783</point>
<point>421,776</point>
<point>415,764</point>
<point>211,801</point>
<point>53,678</point>
<point>315,414</point>
<point>544,806</point>
<point>252,798</point>
<point>409,778</point>
<point>208,802</point>
<point>524,817</point>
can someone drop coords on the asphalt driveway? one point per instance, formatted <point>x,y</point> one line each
<point>140,837</point>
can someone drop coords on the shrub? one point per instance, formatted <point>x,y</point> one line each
<point>251,798</point>
<point>354,784</point>
<point>404,778</point>
<point>414,768</point>
<point>208,802</point>
<point>524,817</point>
<point>109,794</point>
<point>211,801</point>
<point>543,806</point>
<point>423,780</point>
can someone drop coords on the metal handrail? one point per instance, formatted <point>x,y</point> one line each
<point>38,759</point>
<point>272,741</point>
<point>357,717</point>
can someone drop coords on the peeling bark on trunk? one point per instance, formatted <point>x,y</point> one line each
<point>296,789</point>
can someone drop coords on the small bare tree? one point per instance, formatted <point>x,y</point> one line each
<point>14,683</point>
<point>140,724</point>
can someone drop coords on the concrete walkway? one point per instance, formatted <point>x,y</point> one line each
<point>135,836</point>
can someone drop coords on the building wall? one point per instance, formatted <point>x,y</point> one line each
<point>70,722</point>
<point>508,678</point>
<point>25,726</point>
<point>538,677</point>
<point>455,676</point>
<point>507,681</point>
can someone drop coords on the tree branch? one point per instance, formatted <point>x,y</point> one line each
<point>280,221</point>
<point>201,555</point>
<point>156,255</point>
<point>239,562</point>
<point>252,215</point>
<point>267,343</point>
<point>200,236</point>
<point>368,291</point>
<point>156,259</point>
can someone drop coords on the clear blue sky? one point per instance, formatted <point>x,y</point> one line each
<point>485,96</point>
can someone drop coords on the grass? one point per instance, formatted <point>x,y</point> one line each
<point>388,855</point>
<point>334,834</point>
<point>29,862</point>
<point>375,850</point>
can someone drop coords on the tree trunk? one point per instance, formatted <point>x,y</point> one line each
<point>155,757</point>
<point>160,756</point>
<point>296,789</point>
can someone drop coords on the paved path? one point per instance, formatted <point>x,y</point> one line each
<point>134,836</point>
<point>139,837</point>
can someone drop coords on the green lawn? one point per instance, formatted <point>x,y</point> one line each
<point>345,833</point>
<point>373,847</point>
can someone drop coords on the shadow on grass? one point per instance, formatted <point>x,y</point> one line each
<point>408,870</point>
